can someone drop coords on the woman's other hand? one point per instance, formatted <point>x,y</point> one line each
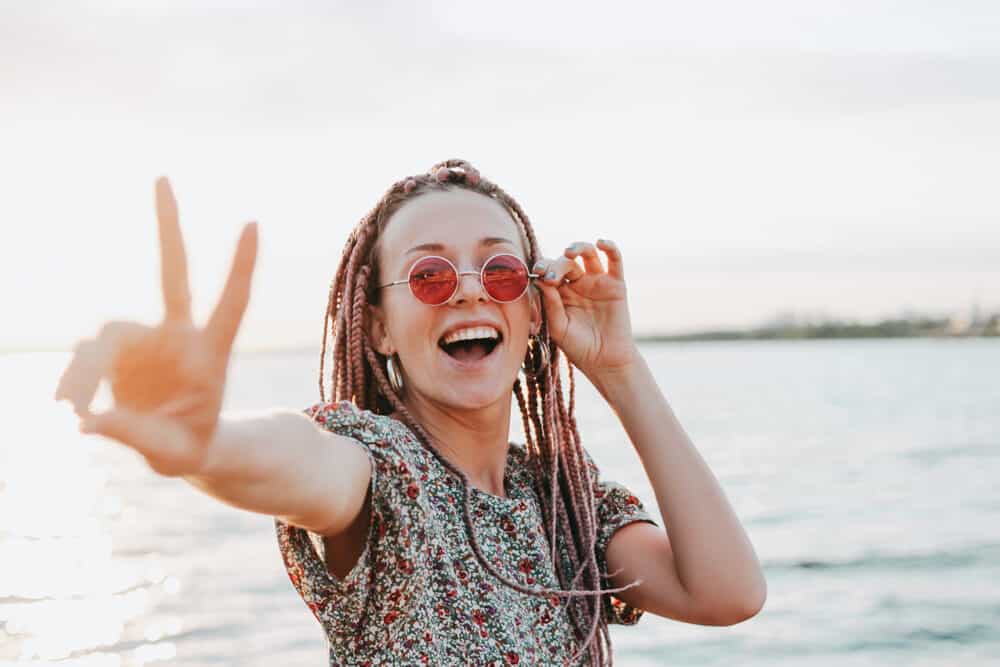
<point>587,309</point>
<point>167,381</point>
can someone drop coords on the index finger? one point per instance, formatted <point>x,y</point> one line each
<point>173,262</point>
<point>561,270</point>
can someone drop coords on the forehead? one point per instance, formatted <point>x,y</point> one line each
<point>456,219</point>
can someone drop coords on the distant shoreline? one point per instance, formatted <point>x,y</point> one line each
<point>708,336</point>
<point>892,328</point>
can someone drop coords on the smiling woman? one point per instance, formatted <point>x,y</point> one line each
<point>414,530</point>
<point>442,358</point>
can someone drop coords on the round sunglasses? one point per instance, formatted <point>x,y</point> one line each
<point>434,280</point>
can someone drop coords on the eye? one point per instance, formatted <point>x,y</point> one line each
<point>429,267</point>
<point>433,280</point>
<point>505,277</point>
<point>429,272</point>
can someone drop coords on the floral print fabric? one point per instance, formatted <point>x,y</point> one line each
<point>417,594</point>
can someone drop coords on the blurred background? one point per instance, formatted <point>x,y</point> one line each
<point>805,195</point>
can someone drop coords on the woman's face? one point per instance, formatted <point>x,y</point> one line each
<point>467,228</point>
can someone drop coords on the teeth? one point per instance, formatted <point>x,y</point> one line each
<point>471,333</point>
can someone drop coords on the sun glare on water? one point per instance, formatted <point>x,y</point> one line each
<point>68,596</point>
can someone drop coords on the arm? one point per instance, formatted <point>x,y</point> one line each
<point>282,464</point>
<point>168,381</point>
<point>706,572</point>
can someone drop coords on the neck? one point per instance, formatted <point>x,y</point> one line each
<point>474,441</point>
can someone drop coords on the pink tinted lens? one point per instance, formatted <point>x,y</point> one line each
<point>505,277</point>
<point>433,280</point>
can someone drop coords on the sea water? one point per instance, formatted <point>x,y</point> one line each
<point>865,472</point>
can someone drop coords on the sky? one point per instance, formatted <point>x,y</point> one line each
<point>752,160</point>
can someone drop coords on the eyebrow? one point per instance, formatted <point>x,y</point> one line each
<point>438,247</point>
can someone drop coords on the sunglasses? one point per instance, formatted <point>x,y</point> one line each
<point>434,280</point>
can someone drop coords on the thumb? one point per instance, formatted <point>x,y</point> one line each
<point>120,424</point>
<point>555,312</point>
<point>156,437</point>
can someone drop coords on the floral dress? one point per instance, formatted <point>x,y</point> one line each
<point>417,594</point>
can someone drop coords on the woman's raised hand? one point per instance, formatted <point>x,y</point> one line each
<point>167,381</point>
<point>586,308</point>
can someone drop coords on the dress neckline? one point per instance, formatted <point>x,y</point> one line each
<point>476,492</point>
<point>508,483</point>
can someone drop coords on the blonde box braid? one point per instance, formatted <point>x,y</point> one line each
<point>553,447</point>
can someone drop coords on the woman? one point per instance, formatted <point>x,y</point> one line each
<point>412,528</point>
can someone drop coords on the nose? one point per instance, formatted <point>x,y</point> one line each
<point>470,287</point>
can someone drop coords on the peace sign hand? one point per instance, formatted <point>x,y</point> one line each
<point>167,381</point>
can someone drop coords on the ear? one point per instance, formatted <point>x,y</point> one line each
<point>378,333</point>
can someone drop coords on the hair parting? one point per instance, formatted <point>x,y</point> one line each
<point>558,462</point>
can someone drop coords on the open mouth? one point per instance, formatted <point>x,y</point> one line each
<point>472,349</point>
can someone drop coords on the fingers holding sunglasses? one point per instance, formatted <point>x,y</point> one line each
<point>558,271</point>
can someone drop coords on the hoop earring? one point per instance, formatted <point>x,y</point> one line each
<point>395,378</point>
<point>543,352</point>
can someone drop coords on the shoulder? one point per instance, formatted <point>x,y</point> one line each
<point>394,449</point>
<point>347,419</point>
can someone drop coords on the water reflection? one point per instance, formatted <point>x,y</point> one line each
<point>865,473</point>
<point>66,596</point>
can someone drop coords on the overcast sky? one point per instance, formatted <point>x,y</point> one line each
<point>750,158</point>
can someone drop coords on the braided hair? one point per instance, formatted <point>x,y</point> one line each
<point>560,467</point>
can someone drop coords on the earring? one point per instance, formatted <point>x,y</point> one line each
<point>538,366</point>
<point>395,378</point>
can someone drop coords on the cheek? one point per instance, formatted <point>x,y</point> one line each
<point>520,326</point>
<point>409,324</point>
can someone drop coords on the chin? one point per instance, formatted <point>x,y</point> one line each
<point>476,393</point>
<point>475,383</point>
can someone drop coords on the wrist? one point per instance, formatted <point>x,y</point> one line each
<point>232,453</point>
<point>213,456</point>
<point>621,383</point>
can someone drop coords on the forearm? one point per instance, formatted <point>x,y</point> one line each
<point>271,463</point>
<point>713,555</point>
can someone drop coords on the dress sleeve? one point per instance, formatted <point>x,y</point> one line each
<point>391,571</point>
<point>616,506</point>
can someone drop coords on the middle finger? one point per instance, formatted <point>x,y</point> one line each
<point>588,252</point>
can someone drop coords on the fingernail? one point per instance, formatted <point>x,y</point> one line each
<point>551,275</point>
<point>86,426</point>
<point>538,266</point>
